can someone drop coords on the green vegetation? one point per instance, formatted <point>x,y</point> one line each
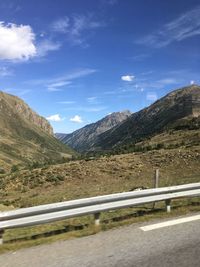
<point>14,168</point>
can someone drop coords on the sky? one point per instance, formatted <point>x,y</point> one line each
<point>74,62</point>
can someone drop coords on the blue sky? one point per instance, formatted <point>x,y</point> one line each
<point>76,61</point>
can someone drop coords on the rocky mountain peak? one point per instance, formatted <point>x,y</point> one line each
<point>83,138</point>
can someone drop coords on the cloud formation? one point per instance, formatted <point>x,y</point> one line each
<point>57,83</point>
<point>56,86</point>
<point>17,42</point>
<point>4,71</point>
<point>183,27</point>
<point>127,78</point>
<point>76,119</point>
<point>76,28</point>
<point>46,46</point>
<point>61,25</point>
<point>55,118</point>
<point>92,100</point>
<point>66,102</point>
<point>86,109</point>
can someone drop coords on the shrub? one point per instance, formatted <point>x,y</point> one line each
<point>14,168</point>
<point>2,171</point>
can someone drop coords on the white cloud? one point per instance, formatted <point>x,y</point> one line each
<point>55,84</point>
<point>17,42</point>
<point>127,78</point>
<point>85,109</point>
<point>55,117</point>
<point>192,82</point>
<point>151,96</point>
<point>76,28</point>
<point>183,27</point>
<point>61,25</point>
<point>76,119</point>
<point>92,100</point>
<point>46,46</point>
<point>4,71</point>
<point>140,57</point>
<point>66,102</point>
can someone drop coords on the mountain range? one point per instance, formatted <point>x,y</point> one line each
<point>178,109</point>
<point>26,137</point>
<point>85,138</point>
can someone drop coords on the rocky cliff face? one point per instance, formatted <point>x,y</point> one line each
<point>21,108</point>
<point>84,138</point>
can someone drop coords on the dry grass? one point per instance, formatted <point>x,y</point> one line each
<point>105,175</point>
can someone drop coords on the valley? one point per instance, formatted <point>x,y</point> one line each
<point>36,168</point>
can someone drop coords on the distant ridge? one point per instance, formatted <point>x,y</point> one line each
<point>179,108</point>
<point>167,112</point>
<point>84,138</point>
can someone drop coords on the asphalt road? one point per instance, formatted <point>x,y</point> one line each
<point>130,246</point>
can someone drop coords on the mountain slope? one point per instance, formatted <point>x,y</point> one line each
<point>25,136</point>
<point>84,138</point>
<point>179,107</point>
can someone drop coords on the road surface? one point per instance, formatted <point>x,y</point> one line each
<point>175,244</point>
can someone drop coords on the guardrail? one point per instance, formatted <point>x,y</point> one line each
<point>94,205</point>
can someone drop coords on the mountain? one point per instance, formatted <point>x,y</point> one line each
<point>26,137</point>
<point>177,110</point>
<point>84,138</point>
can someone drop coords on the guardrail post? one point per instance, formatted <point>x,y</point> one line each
<point>168,206</point>
<point>97,219</point>
<point>1,237</point>
<point>156,181</point>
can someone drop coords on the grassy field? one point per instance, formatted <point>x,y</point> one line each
<point>82,178</point>
<point>85,178</point>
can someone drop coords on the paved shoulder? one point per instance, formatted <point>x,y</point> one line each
<point>176,244</point>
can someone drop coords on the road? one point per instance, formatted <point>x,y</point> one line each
<point>129,246</point>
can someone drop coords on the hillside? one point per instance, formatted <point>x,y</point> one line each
<point>84,138</point>
<point>178,109</point>
<point>105,175</point>
<point>26,137</point>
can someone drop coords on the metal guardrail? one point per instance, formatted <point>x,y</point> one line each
<point>95,205</point>
<point>48,208</point>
